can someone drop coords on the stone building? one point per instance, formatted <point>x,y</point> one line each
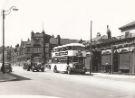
<point>39,46</point>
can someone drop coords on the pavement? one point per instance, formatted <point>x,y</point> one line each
<point>118,77</point>
<point>115,77</point>
<point>26,96</point>
<point>6,77</point>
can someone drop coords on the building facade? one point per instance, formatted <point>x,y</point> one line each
<point>117,54</point>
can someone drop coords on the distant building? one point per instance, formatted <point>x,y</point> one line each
<point>23,51</point>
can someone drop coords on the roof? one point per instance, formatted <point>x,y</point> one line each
<point>23,43</point>
<point>128,25</point>
<point>37,34</point>
<point>63,41</point>
<point>71,44</point>
<point>67,41</point>
<point>100,38</point>
<point>53,41</point>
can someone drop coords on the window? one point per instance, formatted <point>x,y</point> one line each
<point>69,47</point>
<point>78,48</point>
<point>77,59</point>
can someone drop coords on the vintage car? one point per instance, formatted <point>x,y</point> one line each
<point>26,66</point>
<point>37,66</point>
<point>7,67</point>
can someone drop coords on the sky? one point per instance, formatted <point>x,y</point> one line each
<point>67,18</point>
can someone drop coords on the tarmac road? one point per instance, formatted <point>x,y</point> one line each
<point>65,86</point>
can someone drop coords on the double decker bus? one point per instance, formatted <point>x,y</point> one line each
<point>69,58</point>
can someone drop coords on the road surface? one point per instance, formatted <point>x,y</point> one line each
<point>65,86</point>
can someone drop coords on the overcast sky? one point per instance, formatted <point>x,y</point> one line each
<point>68,18</point>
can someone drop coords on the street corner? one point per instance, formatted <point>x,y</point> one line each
<point>6,77</point>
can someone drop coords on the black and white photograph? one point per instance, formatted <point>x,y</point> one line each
<point>67,48</point>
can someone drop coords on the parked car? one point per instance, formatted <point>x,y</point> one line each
<point>7,67</point>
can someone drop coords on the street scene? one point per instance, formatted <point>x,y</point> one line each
<point>67,49</point>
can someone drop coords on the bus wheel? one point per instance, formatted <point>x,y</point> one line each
<point>69,70</point>
<point>55,69</point>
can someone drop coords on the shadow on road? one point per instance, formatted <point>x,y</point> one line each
<point>82,74</point>
<point>19,78</point>
<point>79,74</point>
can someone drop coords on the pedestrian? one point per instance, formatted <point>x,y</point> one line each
<point>106,67</point>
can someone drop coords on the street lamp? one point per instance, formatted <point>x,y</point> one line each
<point>4,13</point>
<point>91,54</point>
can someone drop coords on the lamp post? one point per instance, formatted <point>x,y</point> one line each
<point>4,13</point>
<point>91,60</point>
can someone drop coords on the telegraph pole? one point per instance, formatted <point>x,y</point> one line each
<point>91,31</point>
<point>3,37</point>
<point>91,54</point>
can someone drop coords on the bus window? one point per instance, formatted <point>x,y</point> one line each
<point>54,60</point>
<point>80,59</point>
<point>56,50</point>
<point>77,59</point>
<point>64,49</point>
<point>87,55</point>
<point>78,48</point>
<point>60,49</point>
<point>69,48</point>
